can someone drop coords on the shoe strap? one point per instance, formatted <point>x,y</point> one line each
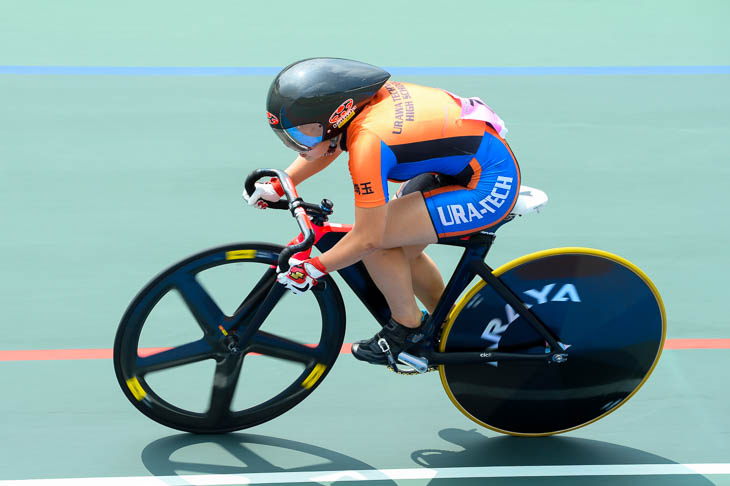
<point>385,348</point>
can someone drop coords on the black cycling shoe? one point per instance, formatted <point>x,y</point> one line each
<point>384,347</point>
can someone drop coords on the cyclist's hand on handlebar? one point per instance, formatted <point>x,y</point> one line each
<point>265,192</point>
<point>302,275</point>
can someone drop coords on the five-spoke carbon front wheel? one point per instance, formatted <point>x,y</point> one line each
<point>178,352</point>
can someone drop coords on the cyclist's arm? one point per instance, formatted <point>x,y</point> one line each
<point>367,234</point>
<point>301,169</point>
<point>366,237</point>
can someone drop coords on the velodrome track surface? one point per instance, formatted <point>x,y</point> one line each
<point>125,136</point>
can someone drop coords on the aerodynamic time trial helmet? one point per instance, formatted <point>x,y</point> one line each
<point>314,99</point>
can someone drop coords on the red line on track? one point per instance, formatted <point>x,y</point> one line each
<point>697,344</point>
<point>78,354</point>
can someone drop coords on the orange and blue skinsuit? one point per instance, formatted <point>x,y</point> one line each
<point>408,130</point>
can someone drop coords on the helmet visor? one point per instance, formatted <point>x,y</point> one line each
<point>302,138</point>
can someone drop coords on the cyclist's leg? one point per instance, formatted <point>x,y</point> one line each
<point>390,267</point>
<point>426,216</point>
<point>432,212</point>
<point>388,270</point>
<point>427,281</point>
<point>391,272</point>
<point>428,209</point>
<point>428,284</point>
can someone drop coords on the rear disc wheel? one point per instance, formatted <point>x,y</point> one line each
<point>604,308</point>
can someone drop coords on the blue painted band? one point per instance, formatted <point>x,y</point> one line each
<point>395,70</point>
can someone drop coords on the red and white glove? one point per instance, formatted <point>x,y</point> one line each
<point>302,275</point>
<point>264,193</point>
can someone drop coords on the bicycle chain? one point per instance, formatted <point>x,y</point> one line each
<point>398,372</point>
<point>414,372</point>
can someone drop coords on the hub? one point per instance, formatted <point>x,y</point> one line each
<point>230,342</point>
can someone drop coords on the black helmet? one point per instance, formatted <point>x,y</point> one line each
<point>314,99</point>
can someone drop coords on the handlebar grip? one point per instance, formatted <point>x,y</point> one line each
<point>277,205</point>
<point>257,174</point>
<point>293,203</point>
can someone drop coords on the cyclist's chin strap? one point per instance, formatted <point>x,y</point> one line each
<point>333,146</point>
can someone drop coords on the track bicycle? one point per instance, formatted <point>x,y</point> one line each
<point>544,344</point>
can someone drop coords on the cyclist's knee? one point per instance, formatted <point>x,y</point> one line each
<point>382,254</point>
<point>414,252</point>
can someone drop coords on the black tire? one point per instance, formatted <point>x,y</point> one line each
<point>315,359</point>
<point>603,307</point>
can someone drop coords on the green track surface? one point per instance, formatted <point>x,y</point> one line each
<point>470,33</point>
<point>106,180</point>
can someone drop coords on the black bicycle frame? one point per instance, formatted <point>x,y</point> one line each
<point>471,264</point>
<point>357,278</point>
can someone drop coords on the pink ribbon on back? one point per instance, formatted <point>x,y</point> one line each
<point>475,109</point>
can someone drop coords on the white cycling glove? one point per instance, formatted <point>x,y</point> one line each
<point>302,275</point>
<point>264,193</point>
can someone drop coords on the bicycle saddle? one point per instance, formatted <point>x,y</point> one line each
<point>530,200</point>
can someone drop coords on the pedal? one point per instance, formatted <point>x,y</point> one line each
<point>420,365</point>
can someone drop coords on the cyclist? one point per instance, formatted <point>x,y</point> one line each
<point>459,175</point>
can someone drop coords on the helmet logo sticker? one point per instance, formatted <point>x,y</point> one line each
<point>343,113</point>
<point>272,119</point>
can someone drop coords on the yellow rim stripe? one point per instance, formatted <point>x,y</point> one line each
<point>314,376</point>
<point>136,388</point>
<point>240,254</point>
<point>535,256</point>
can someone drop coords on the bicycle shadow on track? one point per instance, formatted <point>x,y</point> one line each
<point>480,451</point>
<point>240,453</point>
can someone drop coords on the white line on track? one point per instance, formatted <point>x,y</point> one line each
<point>385,474</point>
